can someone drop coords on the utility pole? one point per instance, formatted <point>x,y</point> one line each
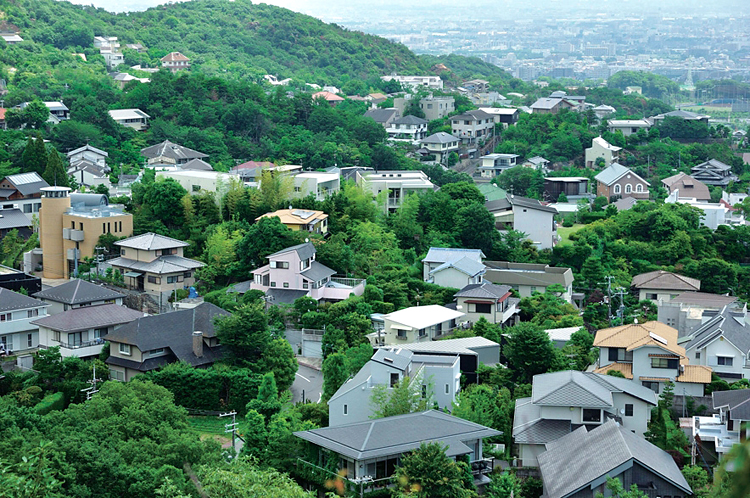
<point>231,427</point>
<point>609,279</point>
<point>90,391</point>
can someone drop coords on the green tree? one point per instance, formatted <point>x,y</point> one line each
<point>428,473</point>
<point>697,478</point>
<point>55,173</point>
<point>35,114</point>
<point>502,486</point>
<point>34,157</point>
<point>267,403</point>
<point>616,490</point>
<point>406,396</point>
<point>335,372</point>
<point>529,351</point>
<point>244,478</point>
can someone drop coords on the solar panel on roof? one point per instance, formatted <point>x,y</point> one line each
<point>24,178</point>
<point>302,213</point>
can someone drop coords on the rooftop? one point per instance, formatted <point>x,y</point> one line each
<point>151,242</point>
<point>636,335</point>
<point>78,291</point>
<point>295,216</point>
<point>420,317</point>
<point>89,317</point>
<point>665,280</point>
<point>11,301</point>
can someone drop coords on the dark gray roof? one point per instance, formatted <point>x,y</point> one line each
<point>6,192</point>
<point>467,265</point>
<point>285,296</point>
<point>661,279</point>
<point>304,251</point>
<point>712,164</point>
<point>397,435</point>
<point>704,299</point>
<point>161,265</point>
<point>515,200</point>
<point>472,115</point>
<point>174,331</point>
<point>157,362</point>
<point>151,242</point>
<point>381,115</point>
<point>542,431</point>
<point>736,400</point>
<point>484,290</point>
<point>89,317</point>
<point>197,165</point>
<point>28,183</point>
<point>78,291</point>
<point>440,137</point>
<point>612,173</point>
<point>396,358</point>
<point>10,301</point>
<point>725,324</point>
<point>571,463</point>
<point>171,150</point>
<point>584,389</point>
<point>317,272</point>
<point>13,218</point>
<point>414,120</point>
<point>240,287</point>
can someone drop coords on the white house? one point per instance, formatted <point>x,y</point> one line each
<point>663,285</point>
<point>441,144</point>
<point>494,164</point>
<point>17,312</point>
<point>132,118</point>
<point>418,324</point>
<point>601,148</point>
<point>628,126</point>
<point>317,183</point>
<point>472,126</point>
<point>450,267</point>
<point>414,82</point>
<point>525,215</point>
<point>407,129</point>
<point>398,184</point>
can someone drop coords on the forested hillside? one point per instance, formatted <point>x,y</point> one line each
<point>238,39</point>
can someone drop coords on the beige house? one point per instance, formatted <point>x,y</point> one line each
<point>155,264</point>
<point>489,301</point>
<point>663,285</point>
<point>528,278</point>
<point>418,324</point>
<point>77,293</point>
<point>687,187</point>
<point>441,144</point>
<point>301,220</point>
<point>132,118</point>
<point>175,61</point>
<point>601,148</point>
<point>617,181</point>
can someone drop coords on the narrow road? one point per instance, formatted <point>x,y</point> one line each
<point>308,381</point>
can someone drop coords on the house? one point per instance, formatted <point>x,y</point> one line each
<point>137,47</point>
<point>729,426</point>
<point>712,215</point>
<point>663,285</point>
<point>576,466</point>
<point>684,115</point>
<point>689,310</point>
<point>472,126</point>
<point>175,61</point>
<point>561,402</point>
<point>494,164</point>
<point>251,171</point>
<point>648,354</point>
<point>441,144</point>
<point>714,172</point>
<point>57,111</point>
<point>17,311</point>
<point>22,191</point>
<point>560,337</point>
<point>414,82</point>
<point>419,324</point>
<point>472,351</point>
<point>88,165</point>
<point>437,107</point>
<point>196,181</point>
<point>9,32</point>
<point>449,267</point>
<point>722,343</point>
<point>476,86</point>
<point>398,184</point>
<point>155,264</point>
<point>70,226</point>
<point>508,116</point>
<point>301,219</point>
<point>619,181</point>
<point>293,272</point>
<point>439,377</point>
<point>106,42</point>
<point>528,278</point>
<point>88,153</point>
<point>603,110</point>
<point>601,148</point>
<point>170,154</point>
<point>373,448</point>
<point>383,116</point>
<point>196,165</point>
<point>132,118</point>
<point>15,280</point>
<point>486,300</point>
<point>525,215</point>
<point>492,192</point>
<point>14,219</point>
<point>574,188</point>
<point>316,183</point>
<point>77,293</point>
<point>628,126</point>
<point>407,129</point>
<point>551,105</point>
<point>687,186</point>
<point>150,342</point>
<point>81,331</point>
<point>538,163</point>
<point>331,98</point>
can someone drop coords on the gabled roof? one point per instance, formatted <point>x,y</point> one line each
<point>737,401</point>
<point>151,242</point>
<point>704,299</point>
<point>85,148</point>
<point>513,201</point>
<point>162,265</point>
<point>440,137</point>
<point>396,358</point>
<point>462,346</point>
<point>171,150</point>
<point>546,103</point>
<point>412,120</point>
<point>317,272</point>
<point>78,291</point>
<point>174,56</point>
<point>305,251</point>
<point>328,96</point>
<point>711,164</point>
<point>397,435</point>
<point>28,183</point>
<point>541,431</point>
<point>569,388</point>
<point>725,324</point>
<point>666,280</point>
<point>472,115</point>
<point>89,317</point>
<point>636,335</point>
<point>197,165</point>
<point>445,254</point>
<point>467,265</point>
<point>572,462</point>
<point>382,115</point>
<point>614,172</point>
<point>13,218</point>
<point>419,317</point>
<point>10,301</point>
<point>687,186</point>
<point>485,290</point>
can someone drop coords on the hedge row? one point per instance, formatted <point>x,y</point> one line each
<point>51,402</point>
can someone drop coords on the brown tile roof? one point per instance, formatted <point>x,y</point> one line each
<point>688,186</point>
<point>328,96</point>
<point>665,280</point>
<point>174,56</point>
<point>696,374</point>
<point>296,216</point>
<point>624,368</point>
<point>637,335</point>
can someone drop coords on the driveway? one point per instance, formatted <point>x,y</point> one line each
<point>308,381</point>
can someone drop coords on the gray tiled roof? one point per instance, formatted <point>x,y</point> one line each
<point>412,120</point>
<point>78,291</point>
<point>397,358</point>
<point>440,137</point>
<point>569,388</point>
<point>171,150</point>
<point>305,251</point>
<point>462,346</point>
<point>240,287</point>
<point>443,254</point>
<point>574,461</point>
<point>197,165</point>
<point>317,272</point>
<point>381,115</point>
<point>396,435</point>
<point>151,242</point>
<point>13,218</point>
<point>515,200</point>
<point>724,324</point>
<point>285,296</point>
<point>542,431</point>
<point>160,266</point>
<point>89,317</point>
<point>737,400</point>
<point>661,279</point>
<point>612,173</point>
<point>466,265</point>
<point>11,301</point>
<point>472,115</point>
<point>704,299</point>
<point>484,290</point>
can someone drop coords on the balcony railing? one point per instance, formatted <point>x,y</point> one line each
<point>77,345</point>
<point>351,282</point>
<point>483,466</point>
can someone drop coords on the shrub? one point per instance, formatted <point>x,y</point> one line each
<point>51,402</point>
<point>569,220</point>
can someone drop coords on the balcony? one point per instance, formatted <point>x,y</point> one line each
<point>81,349</point>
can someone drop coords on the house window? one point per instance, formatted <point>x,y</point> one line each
<point>29,340</point>
<point>619,354</point>
<point>394,379</point>
<point>617,189</point>
<point>726,361</point>
<point>125,349</point>
<point>422,332</point>
<point>154,280</point>
<point>187,274</point>
<point>483,308</point>
<point>592,415</point>
<point>5,317</point>
<point>664,363</point>
<point>99,333</point>
<point>639,188</point>
<point>628,188</point>
<point>173,279</point>
<point>346,409</point>
<point>401,334</point>
<point>284,265</point>
<point>286,285</point>
<point>117,375</point>
<point>273,284</point>
<point>628,410</point>
<point>447,389</point>
<point>697,355</point>
<point>32,313</point>
<point>56,336</point>
<point>122,252</point>
<point>654,386</point>
<point>424,391</point>
<point>532,289</point>
<point>305,285</point>
<point>75,339</point>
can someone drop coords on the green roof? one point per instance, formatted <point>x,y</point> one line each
<point>492,192</point>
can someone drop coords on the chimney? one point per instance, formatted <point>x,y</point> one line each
<point>198,343</point>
